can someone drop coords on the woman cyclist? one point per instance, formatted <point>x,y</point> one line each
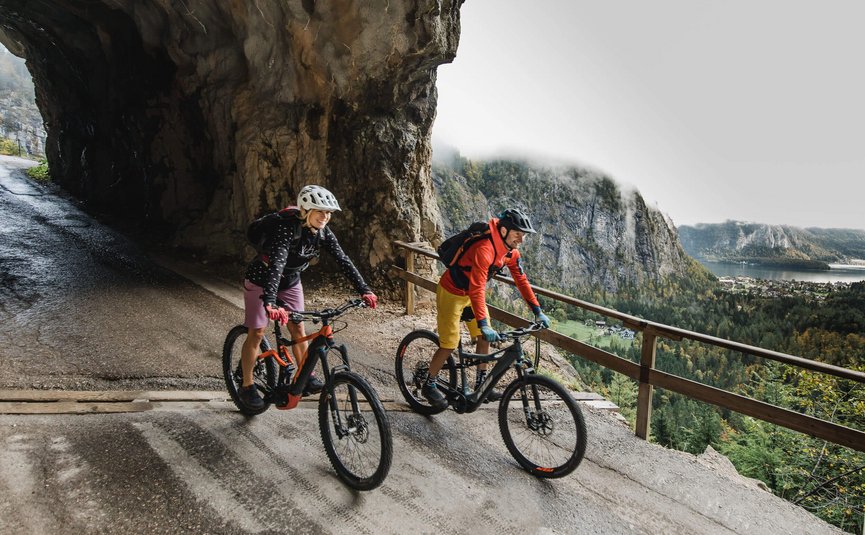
<point>275,274</point>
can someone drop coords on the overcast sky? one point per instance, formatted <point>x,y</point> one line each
<point>749,110</point>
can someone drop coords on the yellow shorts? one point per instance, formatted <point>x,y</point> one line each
<point>449,308</point>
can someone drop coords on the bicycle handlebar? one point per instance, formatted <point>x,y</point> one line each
<point>522,331</point>
<point>298,316</point>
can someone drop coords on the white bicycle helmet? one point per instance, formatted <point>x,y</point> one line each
<point>317,198</point>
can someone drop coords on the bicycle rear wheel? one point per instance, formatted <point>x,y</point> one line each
<point>542,426</point>
<point>355,431</point>
<point>263,375</point>
<point>412,364</point>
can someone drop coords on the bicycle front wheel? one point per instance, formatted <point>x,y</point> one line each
<point>412,365</point>
<point>542,426</point>
<point>355,431</point>
<point>263,375</point>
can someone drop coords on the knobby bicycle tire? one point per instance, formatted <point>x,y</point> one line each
<point>360,451</point>
<point>411,364</point>
<point>550,440</point>
<point>264,374</point>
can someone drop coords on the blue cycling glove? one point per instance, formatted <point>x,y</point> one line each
<point>487,332</point>
<point>542,318</point>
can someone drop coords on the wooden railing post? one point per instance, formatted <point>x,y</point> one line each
<point>644,397</point>
<point>409,286</point>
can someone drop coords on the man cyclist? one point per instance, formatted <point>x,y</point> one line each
<point>464,284</point>
<point>275,274</point>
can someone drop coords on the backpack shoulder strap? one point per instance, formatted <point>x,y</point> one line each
<point>471,240</point>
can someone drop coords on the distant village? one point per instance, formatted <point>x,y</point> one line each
<point>610,330</point>
<point>780,288</point>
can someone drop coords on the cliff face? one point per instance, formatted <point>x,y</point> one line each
<point>191,118</point>
<point>19,118</point>
<point>590,233</point>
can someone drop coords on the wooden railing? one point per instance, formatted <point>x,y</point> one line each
<point>645,373</point>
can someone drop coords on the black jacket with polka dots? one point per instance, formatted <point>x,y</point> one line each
<point>286,256</point>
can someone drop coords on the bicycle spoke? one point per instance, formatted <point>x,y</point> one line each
<point>549,438</point>
<point>355,432</point>
<point>263,374</point>
<point>411,364</point>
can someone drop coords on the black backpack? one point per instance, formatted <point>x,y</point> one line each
<point>260,230</point>
<point>452,249</point>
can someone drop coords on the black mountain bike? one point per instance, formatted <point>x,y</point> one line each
<point>353,423</point>
<point>541,423</point>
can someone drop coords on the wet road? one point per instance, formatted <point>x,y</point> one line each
<point>81,308</point>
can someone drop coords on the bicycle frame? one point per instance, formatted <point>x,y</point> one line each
<point>292,384</point>
<point>464,402</point>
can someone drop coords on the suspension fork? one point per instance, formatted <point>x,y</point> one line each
<point>527,408</point>
<point>339,426</point>
<point>343,366</point>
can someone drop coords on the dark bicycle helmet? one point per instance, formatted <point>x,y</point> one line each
<point>514,219</point>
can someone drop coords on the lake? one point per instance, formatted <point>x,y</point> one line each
<point>837,273</point>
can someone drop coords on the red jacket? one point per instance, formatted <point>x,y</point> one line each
<point>478,258</point>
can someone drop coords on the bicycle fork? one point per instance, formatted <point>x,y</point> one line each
<point>353,425</point>
<point>536,418</point>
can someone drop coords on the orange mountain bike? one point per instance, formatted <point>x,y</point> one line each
<point>353,423</point>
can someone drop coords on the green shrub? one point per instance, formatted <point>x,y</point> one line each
<point>9,147</point>
<point>40,172</point>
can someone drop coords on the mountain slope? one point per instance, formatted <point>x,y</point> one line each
<point>592,234</point>
<point>772,244</point>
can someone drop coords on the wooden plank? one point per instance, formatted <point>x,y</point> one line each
<point>601,404</point>
<point>587,396</point>
<point>73,407</point>
<point>604,358</point>
<point>409,286</point>
<point>414,278</point>
<point>112,395</point>
<point>809,425</point>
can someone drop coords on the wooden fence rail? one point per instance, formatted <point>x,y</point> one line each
<point>645,373</point>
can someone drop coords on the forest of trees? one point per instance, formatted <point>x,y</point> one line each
<point>825,478</point>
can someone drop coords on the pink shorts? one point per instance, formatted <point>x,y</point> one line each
<point>256,317</point>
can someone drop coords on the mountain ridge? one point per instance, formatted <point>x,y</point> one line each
<point>778,245</point>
